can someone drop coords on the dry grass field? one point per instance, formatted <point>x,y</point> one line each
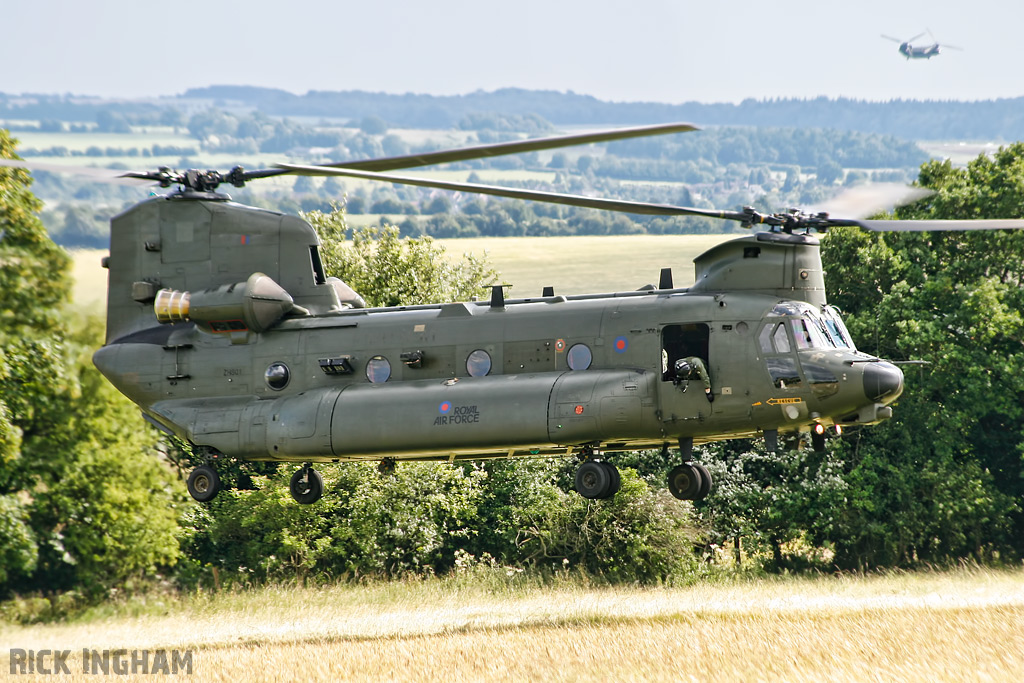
<point>958,626</point>
<point>572,265</point>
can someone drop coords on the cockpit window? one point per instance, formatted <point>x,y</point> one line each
<point>786,308</point>
<point>812,329</point>
<point>801,333</point>
<point>781,340</point>
<point>836,328</point>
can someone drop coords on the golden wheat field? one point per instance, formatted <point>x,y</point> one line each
<point>958,626</point>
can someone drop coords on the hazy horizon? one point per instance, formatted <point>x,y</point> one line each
<point>666,51</point>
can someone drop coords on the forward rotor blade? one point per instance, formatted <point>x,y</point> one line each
<point>514,147</point>
<point>515,193</point>
<point>918,36</point>
<point>862,201</point>
<point>895,40</point>
<point>941,225</point>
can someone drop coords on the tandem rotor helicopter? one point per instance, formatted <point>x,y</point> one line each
<point>223,327</point>
<point>919,51</point>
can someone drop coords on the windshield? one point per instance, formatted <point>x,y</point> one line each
<point>813,329</point>
<point>836,329</point>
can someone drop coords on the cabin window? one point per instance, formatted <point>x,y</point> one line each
<point>579,357</point>
<point>378,369</point>
<point>277,376</point>
<point>479,363</point>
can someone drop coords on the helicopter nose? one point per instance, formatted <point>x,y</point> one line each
<point>883,382</point>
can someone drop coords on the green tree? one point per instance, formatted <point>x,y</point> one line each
<point>81,503</point>
<point>388,270</point>
<point>944,478</point>
<point>34,288</point>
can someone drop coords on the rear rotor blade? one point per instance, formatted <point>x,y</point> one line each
<point>895,40</point>
<point>515,193</point>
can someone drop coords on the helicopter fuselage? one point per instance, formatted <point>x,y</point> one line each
<point>501,379</point>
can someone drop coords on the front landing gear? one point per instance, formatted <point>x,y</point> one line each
<point>307,485</point>
<point>689,481</point>
<point>203,483</point>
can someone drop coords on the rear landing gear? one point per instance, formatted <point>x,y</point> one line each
<point>307,485</point>
<point>203,483</point>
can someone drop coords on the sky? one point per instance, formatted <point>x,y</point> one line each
<point>631,50</point>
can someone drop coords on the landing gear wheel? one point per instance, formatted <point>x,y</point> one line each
<point>387,467</point>
<point>307,486</point>
<point>705,481</point>
<point>593,480</point>
<point>203,483</point>
<point>616,478</point>
<point>685,482</point>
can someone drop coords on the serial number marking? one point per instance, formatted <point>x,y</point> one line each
<point>783,401</point>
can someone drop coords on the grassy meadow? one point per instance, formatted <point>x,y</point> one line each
<point>572,265</point>
<point>942,626</point>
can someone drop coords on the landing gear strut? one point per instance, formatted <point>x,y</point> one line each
<point>307,485</point>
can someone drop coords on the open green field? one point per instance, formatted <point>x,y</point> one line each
<point>964,625</point>
<point>585,263</point>
<point>572,265</point>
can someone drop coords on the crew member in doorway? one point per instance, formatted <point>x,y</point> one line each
<point>692,367</point>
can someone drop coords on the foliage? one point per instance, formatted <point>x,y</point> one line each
<point>944,478</point>
<point>82,504</point>
<point>388,270</point>
<point>430,518</point>
<point>774,506</point>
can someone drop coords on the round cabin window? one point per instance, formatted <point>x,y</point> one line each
<point>479,363</point>
<point>378,369</point>
<point>277,376</point>
<point>579,357</point>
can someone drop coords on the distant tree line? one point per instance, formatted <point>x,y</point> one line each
<point>795,146</point>
<point>1000,119</point>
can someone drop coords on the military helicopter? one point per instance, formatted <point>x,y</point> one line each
<point>921,51</point>
<point>223,327</point>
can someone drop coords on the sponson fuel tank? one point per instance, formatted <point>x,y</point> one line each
<point>467,415</point>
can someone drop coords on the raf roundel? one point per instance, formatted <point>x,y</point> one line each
<point>445,407</point>
<point>620,344</point>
